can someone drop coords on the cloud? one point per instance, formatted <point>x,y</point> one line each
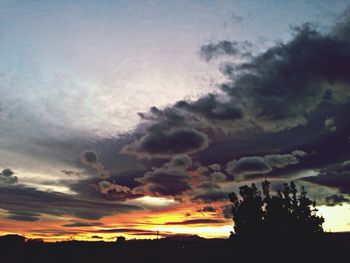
<point>212,107</point>
<point>82,224</point>
<point>171,179</point>
<point>334,200</point>
<point>218,176</point>
<point>167,143</point>
<point>53,203</point>
<point>226,48</point>
<point>71,173</point>
<point>91,158</point>
<point>255,165</point>
<point>209,186</point>
<point>24,216</point>
<point>7,177</point>
<point>330,125</point>
<point>215,167</point>
<point>105,187</point>
<point>283,160</point>
<point>284,87</point>
<point>113,191</point>
<point>211,196</point>
<point>336,175</point>
<point>248,166</point>
<point>292,94</point>
<point>207,208</point>
<point>7,172</point>
<point>196,222</point>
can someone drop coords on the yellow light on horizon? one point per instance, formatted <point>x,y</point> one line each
<point>337,218</point>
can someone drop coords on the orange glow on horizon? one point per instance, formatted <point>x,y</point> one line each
<point>179,220</point>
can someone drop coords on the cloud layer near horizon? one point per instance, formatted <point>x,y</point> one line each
<point>280,114</point>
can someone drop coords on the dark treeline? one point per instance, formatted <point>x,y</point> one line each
<point>285,214</point>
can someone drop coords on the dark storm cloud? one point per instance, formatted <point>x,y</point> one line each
<point>7,172</point>
<point>171,179</point>
<point>248,165</point>
<point>212,108</point>
<point>196,222</point>
<point>91,158</point>
<point>211,196</point>
<point>97,189</point>
<point>24,216</point>
<point>209,186</point>
<point>283,87</point>
<point>218,176</point>
<point>215,167</point>
<point>337,176</point>
<point>207,208</point>
<point>166,143</point>
<point>113,191</point>
<point>7,177</point>
<point>107,187</point>
<point>53,203</point>
<point>180,161</point>
<point>334,200</point>
<point>252,165</point>
<point>165,133</point>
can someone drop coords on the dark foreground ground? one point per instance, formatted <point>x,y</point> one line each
<point>329,248</point>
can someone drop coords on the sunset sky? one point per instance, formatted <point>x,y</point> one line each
<point>132,118</point>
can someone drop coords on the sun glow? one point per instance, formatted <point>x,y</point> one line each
<point>337,218</point>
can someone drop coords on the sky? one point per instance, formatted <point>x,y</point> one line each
<point>133,117</point>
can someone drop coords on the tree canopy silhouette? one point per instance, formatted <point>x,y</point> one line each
<point>289,213</point>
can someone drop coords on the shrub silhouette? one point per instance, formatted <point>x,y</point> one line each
<point>286,213</point>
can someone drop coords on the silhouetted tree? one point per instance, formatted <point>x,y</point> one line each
<point>120,240</point>
<point>286,213</point>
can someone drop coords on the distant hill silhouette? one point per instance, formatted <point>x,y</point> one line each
<point>184,238</point>
<point>12,240</point>
<point>176,249</point>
